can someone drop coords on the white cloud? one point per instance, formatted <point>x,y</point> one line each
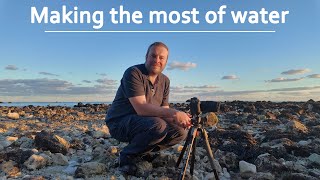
<point>282,79</point>
<point>229,77</point>
<point>314,76</point>
<point>201,87</point>
<point>86,81</point>
<point>11,67</point>
<point>102,74</point>
<point>106,81</point>
<point>181,65</point>
<point>47,74</point>
<point>282,94</point>
<point>47,87</point>
<point>296,71</point>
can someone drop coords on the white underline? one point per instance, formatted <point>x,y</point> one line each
<point>70,31</point>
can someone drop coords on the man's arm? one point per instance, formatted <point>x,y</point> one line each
<point>143,108</point>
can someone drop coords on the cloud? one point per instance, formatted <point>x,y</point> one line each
<point>181,65</point>
<point>106,81</point>
<point>282,79</point>
<point>11,67</point>
<point>191,90</point>
<point>296,89</point>
<point>229,77</point>
<point>102,74</point>
<point>281,94</point>
<point>201,87</point>
<point>47,87</point>
<point>47,74</point>
<point>296,71</point>
<point>86,81</point>
<point>314,76</point>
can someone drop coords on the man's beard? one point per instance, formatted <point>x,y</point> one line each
<point>154,70</point>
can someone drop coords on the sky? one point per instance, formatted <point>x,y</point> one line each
<point>40,66</point>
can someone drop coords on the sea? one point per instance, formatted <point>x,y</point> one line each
<point>67,104</point>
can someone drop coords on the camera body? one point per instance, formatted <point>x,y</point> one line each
<point>204,112</point>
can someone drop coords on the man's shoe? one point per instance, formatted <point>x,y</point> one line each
<point>126,164</point>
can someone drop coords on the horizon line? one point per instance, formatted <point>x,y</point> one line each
<point>165,31</point>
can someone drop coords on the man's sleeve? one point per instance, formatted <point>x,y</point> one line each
<point>132,82</point>
<point>165,100</point>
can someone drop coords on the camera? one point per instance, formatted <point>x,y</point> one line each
<point>196,106</point>
<point>204,112</point>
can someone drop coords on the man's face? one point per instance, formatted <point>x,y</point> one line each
<point>156,60</point>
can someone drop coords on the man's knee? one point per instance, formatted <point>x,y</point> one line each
<point>157,126</point>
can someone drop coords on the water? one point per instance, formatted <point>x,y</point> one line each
<point>67,104</point>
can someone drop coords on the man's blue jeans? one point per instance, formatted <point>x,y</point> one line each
<point>145,134</point>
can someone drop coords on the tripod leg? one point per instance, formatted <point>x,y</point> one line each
<point>193,155</point>
<point>193,136</point>
<point>209,153</point>
<point>186,144</point>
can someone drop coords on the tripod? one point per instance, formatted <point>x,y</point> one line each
<point>190,146</point>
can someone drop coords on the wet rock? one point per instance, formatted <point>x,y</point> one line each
<point>51,142</point>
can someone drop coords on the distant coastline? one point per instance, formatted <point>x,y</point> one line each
<point>68,104</point>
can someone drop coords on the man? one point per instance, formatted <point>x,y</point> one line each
<point>140,112</point>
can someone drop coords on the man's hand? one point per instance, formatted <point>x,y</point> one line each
<point>182,119</point>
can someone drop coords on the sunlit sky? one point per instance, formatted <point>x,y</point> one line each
<point>37,66</point>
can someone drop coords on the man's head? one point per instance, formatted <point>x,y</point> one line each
<point>156,58</point>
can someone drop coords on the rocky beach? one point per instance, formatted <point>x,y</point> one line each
<point>253,140</point>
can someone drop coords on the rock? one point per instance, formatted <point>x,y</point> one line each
<point>315,158</point>
<point>72,167</point>
<point>113,150</point>
<point>247,167</point>
<point>35,162</point>
<point>262,176</point>
<point>16,155</point>
<point>24,142</point>
<point>10,168</point>
<point>269,115</point>
<point>59,159</point>
<point>209,176</point>
<point>227,159</point>
<point>90,168</point>
<point>14,116</point>
<point>314,172</point>
<point>51,142</point>
<point>298,176</point>
<point>4,142</point>
<point>144,168</point>
<point>296,126</point>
